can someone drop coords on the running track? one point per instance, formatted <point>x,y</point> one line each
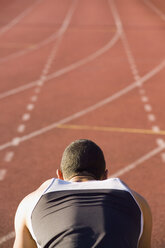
<point>73,69</point>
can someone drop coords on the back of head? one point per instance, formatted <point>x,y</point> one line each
<point>83,157</point>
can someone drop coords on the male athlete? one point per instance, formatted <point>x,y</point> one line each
<point>82,208</point>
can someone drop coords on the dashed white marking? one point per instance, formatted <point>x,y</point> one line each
<point>26,117</point>
<point>9,156</point>
<point>34,98</point>
<point>139,82</point>
<point>39,45</point>
<point>87,110</point>
<point>7,237</point>
<point>155,9</point>
<point>43,77</point>
<point>139,161</point>
<point>21,128</point>
<point>78,64</point>
<point>65,69</point>
<point>144,99</point>
<point>16,141</point>
<point>133,67</point>
<point>151,117</point>
<point>160,142</point>
<point>163,157</point>
<point>148,107</point>
<point>137,78</point>
<point>40,83</point>
<point>155,129</point>
<point>2,175</point>
<point>30,106</point>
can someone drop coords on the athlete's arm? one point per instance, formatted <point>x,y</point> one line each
<point>23,237</point>
<point>145,240</point>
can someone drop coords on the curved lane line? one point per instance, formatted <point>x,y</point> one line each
<point>66,69</point>
<point>139,161</point>
<point>155,9</point>
<point>48,40</point>
<point>18,18</point>
<point>84,111</point>
<point>7,237</point>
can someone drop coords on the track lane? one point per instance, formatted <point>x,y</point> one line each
<point>19,17</point>
<point>121,145</point>
<point>80,113</point>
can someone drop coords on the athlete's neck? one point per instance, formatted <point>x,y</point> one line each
<point>82,178</point>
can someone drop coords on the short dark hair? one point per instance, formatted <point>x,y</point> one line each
<point>83,157</point>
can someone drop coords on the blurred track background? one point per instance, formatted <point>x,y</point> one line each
<point>72,69</point>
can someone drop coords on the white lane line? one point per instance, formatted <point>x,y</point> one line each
<point>41,44</point>
<point>147,107</point>
<point>133,67</point>
<point>15,142</point>
<point>40,83</point>
<point>18,18</point>
<point>124,39</point>
<point>26,117</point>
<point>155,9</point>
<point>50,39</point>
<point>163,157</point>
<point>85,60</point>
<point>144,99</point>
<point>31,49</point>
<point>7,237</point>
<point>2,174</point>
<point>9,156</point>
<point>137,78</point>
<point>160,142</point>
<point>151,117</point>
<point>18,89</point>
<point>155,129</point>
<point>30,106</point>
<point>104,101</point>
<point>83,112</point>
<point>21,128</point>
<point>34,98</point>
<point>75,66</point>
<point>66,69</point>
<point>139,161</point>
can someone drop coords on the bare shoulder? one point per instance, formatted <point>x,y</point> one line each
<point>30,197</point>
<point>139,198</point>
<point>23,235</point>
<point>142,202</point>
<point>145,240</point>
<point>28,201</point>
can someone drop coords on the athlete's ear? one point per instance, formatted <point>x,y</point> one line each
<point>59,174</point>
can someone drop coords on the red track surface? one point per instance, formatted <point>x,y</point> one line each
<point>104,49</point>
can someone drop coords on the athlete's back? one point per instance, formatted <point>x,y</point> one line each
<point>89,214</point>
